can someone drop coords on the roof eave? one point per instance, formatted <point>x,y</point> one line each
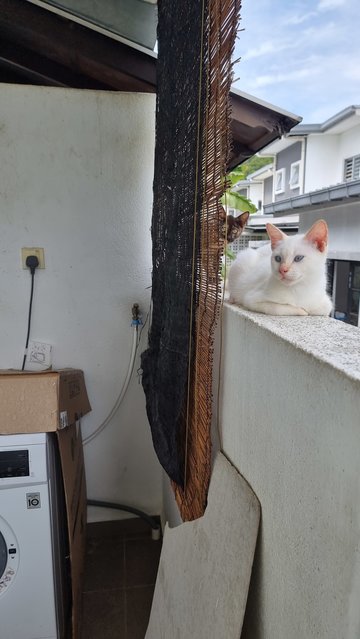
<point>330,196</point>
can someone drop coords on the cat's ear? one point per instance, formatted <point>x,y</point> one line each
<point>318,235</point>
<point>244,218</point>
<point>275,235</point>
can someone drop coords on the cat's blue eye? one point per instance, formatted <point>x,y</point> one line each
<point>277,258</point>
<point>298,258</point>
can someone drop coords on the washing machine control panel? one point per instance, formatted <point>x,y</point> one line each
<point>23,460</point>
<point>14,463</point>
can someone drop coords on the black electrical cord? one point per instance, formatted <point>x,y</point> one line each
<point>32,263</point>
<point>129,509</point>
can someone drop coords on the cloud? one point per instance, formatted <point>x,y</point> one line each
<point>299,19</point>
<point>294,56</point>
<point>265,48</point>
<point>326,5</point>
<point>352,74</point>
<point>287,52</point>
<point>318,35</point>
<point>276,78</point>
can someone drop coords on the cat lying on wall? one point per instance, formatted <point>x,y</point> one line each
<point>286,276</point>
<point>235,226</point>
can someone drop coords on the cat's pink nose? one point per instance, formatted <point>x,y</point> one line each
<point>283,269</point>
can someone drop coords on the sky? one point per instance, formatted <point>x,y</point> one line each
<point>300,55</point>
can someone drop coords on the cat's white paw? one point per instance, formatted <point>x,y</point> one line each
<point>323,309</point>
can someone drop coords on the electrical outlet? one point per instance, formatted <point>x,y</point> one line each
<point>39,252</point>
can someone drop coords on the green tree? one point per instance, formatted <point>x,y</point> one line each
<point>231,198</point>
<point>253,164</point>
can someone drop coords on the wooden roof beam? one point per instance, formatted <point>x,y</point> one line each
<point>82,50</point>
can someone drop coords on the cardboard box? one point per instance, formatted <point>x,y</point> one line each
<point>72,464</point>
<point>33,402</point>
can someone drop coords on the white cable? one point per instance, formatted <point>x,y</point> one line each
<point>121,395</point>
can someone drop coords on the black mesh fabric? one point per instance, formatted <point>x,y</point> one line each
<point>196,41</point>
<point>181,98</point>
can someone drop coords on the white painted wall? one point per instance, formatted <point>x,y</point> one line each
<point>76,178</point>
<point>289,417</point>
<point>343,221</point>
<point>256,193</point>
<point>349,144</point>
<point>325,156</point>
<point>321,162</point>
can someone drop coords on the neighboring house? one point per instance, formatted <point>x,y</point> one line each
<point>257,187</point>
<point>316,174</point>
<point>255,231</point>
<point>313,157</point>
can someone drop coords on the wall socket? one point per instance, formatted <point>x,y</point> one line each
<point>39,252</point>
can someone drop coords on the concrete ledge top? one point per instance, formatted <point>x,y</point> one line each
<point>331,341</point>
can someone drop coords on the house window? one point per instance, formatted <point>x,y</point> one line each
<point>280,181</point>
<point>294,181</point>
<point>354,294</point>
<point>347,291</point>
<point>352,168</point>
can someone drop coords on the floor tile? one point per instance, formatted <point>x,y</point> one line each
<point>104,564</point>
<point>141,561</point>
<point>120,528</point>
<point>120,572</point>
<point>104,615</point>
<point>138,606</point>
<point>139,528</point>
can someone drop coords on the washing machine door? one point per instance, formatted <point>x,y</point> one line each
<point>9,557</point>
<point>3,555</point>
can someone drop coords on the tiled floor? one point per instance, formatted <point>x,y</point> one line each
<point>120,573</point>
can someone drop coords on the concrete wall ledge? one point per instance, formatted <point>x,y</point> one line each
<point>289,420</point>
<point>330,341</point>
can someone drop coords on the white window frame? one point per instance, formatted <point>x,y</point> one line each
<point>293,167</point>
<point>279,177</point>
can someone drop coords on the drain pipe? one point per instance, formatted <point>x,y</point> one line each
<point>124,388</point>
<point>155,527</point>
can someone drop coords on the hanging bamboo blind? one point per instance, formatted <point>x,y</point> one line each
<point>195,44</point>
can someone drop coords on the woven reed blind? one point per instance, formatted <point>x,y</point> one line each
<point>195,45</point>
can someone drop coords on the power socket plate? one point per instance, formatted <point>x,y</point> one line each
<point>39,252</point>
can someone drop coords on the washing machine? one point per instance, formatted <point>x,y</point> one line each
<point>34,571</point>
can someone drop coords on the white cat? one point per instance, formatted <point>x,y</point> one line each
<point>286,276</point>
